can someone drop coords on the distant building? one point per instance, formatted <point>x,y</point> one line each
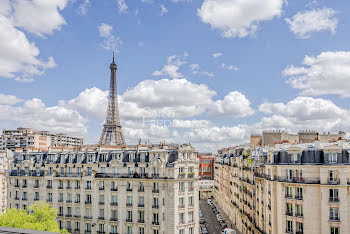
<point>26,138</point>
<point>272,137</point>
<point>3,183</point>
<point>206,166</point>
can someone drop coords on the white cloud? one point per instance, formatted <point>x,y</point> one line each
<point>326,73</point>
<point>83,7</point>
<point>234,104</point>
<point>172,67</point>
<point>305,113</point>
<point>38,16</point>
<point>217,55</point>
<point>123,8</point>
<point>19,58</point>
<point>304,23</point>
<point>110,42</point>
<point>9,99</point>
<point>195,70</point>
<point>229,67</point>
<point>238,18</point>
<point>33,113</point>
<point>163,9</point>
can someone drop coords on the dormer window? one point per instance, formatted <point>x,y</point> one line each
<point>89,158</point>
<point>103,157</point>
<point>294,158</point>
<point>332,157</point>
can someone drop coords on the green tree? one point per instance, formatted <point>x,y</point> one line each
<point>41,216</point>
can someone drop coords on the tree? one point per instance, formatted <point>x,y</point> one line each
<point>41,216</point>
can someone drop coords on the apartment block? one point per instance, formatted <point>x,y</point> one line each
<point>206,166</point>
<point>139,189</point>
<point>3,183</point>
<point>26,138</point>
<point>297,189</point>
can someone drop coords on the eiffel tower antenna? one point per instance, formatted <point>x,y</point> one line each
<point>112,130</point>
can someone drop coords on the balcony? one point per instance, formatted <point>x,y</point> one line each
<point>60,214</point>
<point>141,205</point>
<point>155,176</point>
<point>36,199</point>
<point>141,189</point>
<point>334,219</point>
<point>333,181</point>
<point>88,188</point>
<point>48,200</point>
<point>49,186</point>
<point>101,188</point>
<point>299,197</point>
<point>128,220</point>
<point>299,232</point>
<point>114,203</point>
<point>334,199</point>
<point>16,185</point>
<point>77,201</point>
<point>141,221</point>
<point>155,206</point>
<point>190,174</point>
<point>60,200</point>
<point>101,217</point>
<point>114,189</point>
<point>68,215</point>
<point>129,189</point>
<point>114,219</point>
<point>290,231</point>
<point>87,202</point>
<point>24,186</point>
<point>77,187</point>
<point>128,204</point>
<point>182,175</point>
<point>155,223</point>
<point>36,186</point>
<point>60,187</point>
<point>101,232</point>
<point>289,213</point>
<point>190,189</point>
<point>155,191</point>
<point>87,217</point>
<point>77,230</point>
<point>69,201</point>
<point>24,199</point>
<point>289,196</point>
<point>101,203</point>
<point>68,175</point>
<point>301,180</point>
<point>77,216</point>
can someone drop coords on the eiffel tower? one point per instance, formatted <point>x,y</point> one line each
<point>112,130</point>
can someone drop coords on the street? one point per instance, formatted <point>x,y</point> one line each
<point>212,223</point>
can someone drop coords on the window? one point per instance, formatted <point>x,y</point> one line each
<point>77,226</point>
<point>333,195</point>
<point>101,228</point>
<point>289,226</point>
<point>299,227</point>
<point>181,231</point>
<point>114,229</point>
<point>289,192</point>
<point>289,174</point>
<point>114,199</point>
<point>155,202</point>
<point>129,216</point>
<point>182,187</point>
<point>88,227</point>
<point>190,230</point>
<point>88,184</point>
<point>299,210</point>
<point>190,217</point>
<point>129,230</point>
<point>69,211</point>
<point>155,231</point>
<point>155,187</point>
<point>114,214</point>
<point>190,201</point>
<point>88,198</point>
<point>77,198</point>
<point>141,216</point>
<point>102,214</point>
<point>335,230</point>
<point>128,186</point>
<point>60,197</point>
<point>36,196</point>
<point>333,177</point>
<point>89,171</point>
<point>77,184</point>
<point>101,185</point>
<point>88,212</point>
<point>129,200</point>
<point>294,158</point>
<point>141,201</point>
<point>181,218</point>
<point>334,214</point>
<point>298,193</point>
<point>332,157</point>
<point>102,199</point>
<point>156,218</point>
<point>289,209</point>
<point>141,186</point>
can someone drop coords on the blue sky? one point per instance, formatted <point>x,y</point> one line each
<point>244,89</point>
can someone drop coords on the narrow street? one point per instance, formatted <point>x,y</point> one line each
<point>212,223</point>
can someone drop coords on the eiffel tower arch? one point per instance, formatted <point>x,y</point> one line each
<point>112,130</point>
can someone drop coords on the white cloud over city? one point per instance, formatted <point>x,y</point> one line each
<point>304,23</point>
<point>238,18</point>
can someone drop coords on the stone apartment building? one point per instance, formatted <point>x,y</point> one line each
<point>272,137</point>
<point>3,183</point>
<point>297,189</point>
<point>139,189</point>
<point>28,139</point>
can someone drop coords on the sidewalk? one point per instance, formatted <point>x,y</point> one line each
<point>224,215</point>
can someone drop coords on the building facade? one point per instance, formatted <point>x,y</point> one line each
<point>138,189</point>
<point>294,189</point>
<point>206,167</point>
<point>3,182</point>
<point>26,138</point>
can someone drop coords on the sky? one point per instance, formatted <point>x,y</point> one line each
<point>205,72</point>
